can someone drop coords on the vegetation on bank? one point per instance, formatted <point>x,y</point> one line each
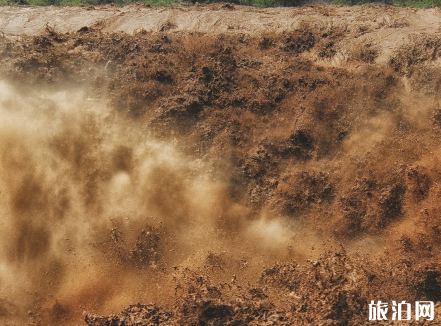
<point>255,3</point>
<point>395,3</point>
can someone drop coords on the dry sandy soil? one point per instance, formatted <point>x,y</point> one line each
<point>221,165</point>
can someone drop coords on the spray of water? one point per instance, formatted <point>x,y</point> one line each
<point>96,213</point>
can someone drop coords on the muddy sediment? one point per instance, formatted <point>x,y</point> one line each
<point>283,172</point>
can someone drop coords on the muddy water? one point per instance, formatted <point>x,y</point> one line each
<point>96,213</point>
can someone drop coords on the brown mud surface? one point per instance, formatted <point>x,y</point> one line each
<point>221,165</point>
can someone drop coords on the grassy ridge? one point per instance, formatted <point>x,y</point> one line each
<point>395,3</point>
<point>255,3</point>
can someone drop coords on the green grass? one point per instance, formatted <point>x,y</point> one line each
<point>395,3</point>
<point>420,4</point>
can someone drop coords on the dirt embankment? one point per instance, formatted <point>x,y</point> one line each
<point>208,141</point>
